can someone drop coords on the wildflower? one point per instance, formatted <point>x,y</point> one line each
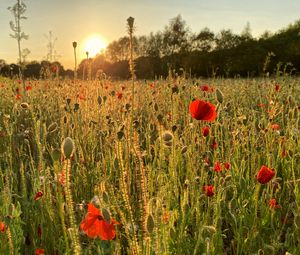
<point>205,131</point>
<point>81,96</point>
<point>277,87</point>
<point>214,144</point>
<point>18,96</point>
<point>227,165</point>
<point>273,204</point>
<point>217,167</point>
<point>201,110</point>
<point>206,88</point>
<point>261,105</point>
<point>28,88</point>
<point>265,174</point>
<point>283,154</point>
<point>119,95</point>
<point>2,227</point>
<point>208,190</point>
<point>94,225</point>
<point>275,127</point>
<point>38,195</point>
<point>166,217</point>
<point>39,252</point>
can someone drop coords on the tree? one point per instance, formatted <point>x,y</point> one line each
<point>175,36</point>
<point>155,44</point>
<point>204,40</point>
<point>225,39</point>
<point>246,34</point>
<point>18,10</point>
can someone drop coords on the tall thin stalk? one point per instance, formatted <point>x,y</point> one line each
<point>75,58</point>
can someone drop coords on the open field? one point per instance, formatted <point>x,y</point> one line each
<point>162,181</point>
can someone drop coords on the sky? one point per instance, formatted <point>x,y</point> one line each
<point>75,20</point>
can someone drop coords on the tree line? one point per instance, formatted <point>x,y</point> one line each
<point>177,49</point>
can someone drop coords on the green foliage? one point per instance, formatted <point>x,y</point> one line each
<point>148,173</point>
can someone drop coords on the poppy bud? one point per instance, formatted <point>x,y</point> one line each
<point>74,44</point>
<point>210,229</point>
<point>205,131</point>
<point>25,105</point>
<point>167,136</point>
<point>184,149</point>
<point>52,127</point>
<point>130,22</point>
<point>220,97</point>
<point>150,224</point>
<point>68,147</point>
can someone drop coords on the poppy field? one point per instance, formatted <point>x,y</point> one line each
<point>176,166</point>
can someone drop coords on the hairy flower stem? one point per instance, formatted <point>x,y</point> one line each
<point>125,194</point>
<point>143,182</point>
<point>69,201</point>
<point>10,241</point>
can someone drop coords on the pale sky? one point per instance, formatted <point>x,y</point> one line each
<point>75,20</point>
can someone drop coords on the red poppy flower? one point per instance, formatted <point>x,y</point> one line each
<point>227,165</point>
<point>208,190</point>
<point>275,127</point>
<point>264,175</point>
<point>18,96</point>
<point>217,167</point>
<point>119,95</point>
<point>283,154</point>
<point>2,227</point>
<point>39,252</point>
<point>201,110</point>
<point>205,131</point>
<point>206,88</point>
<point>277,87</point>
<point>261,105</point>
<point>214,144</point>
<point>38,195</point>
<point>94,225</point>
<point>28,88</point>
<point>273,204</point>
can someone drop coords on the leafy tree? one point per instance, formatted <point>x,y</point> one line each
<point>155,44</point>
<point>204,40</point>
<point>225,39</point>
<point>175,36</point>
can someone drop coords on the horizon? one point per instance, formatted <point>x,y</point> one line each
<point>110,22</point>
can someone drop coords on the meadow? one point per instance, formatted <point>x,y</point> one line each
<point>89,167</point>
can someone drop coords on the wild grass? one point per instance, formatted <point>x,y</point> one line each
<point>151,185</point>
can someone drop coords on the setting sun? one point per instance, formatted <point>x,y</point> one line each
<point>94,45</point>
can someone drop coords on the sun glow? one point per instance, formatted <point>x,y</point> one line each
<point>94,45</point>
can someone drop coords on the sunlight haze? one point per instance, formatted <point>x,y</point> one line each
<point>76,20</point>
